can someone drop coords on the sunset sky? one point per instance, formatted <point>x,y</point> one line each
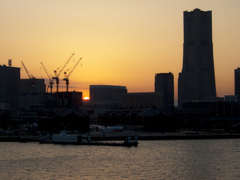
<point>120,42</point>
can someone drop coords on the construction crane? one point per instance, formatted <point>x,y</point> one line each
<point>50,78</point>
<point>29,75</point>
<point>57,74</point>
<point>67,76</point>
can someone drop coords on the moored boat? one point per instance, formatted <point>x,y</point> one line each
<point>64,138</point>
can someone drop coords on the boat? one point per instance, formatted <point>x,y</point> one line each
<point>75,139</point>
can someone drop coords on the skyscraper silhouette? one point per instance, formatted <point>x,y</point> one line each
<point>237,81</point>
<point>164,85</point>
<point>10,86</point>
<point>197,79</point>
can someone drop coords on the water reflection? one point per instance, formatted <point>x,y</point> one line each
<point>183,159</point>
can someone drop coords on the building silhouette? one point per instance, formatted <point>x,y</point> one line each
<point>107,94</point>
<point>34,102</point>
<point>147,99</point>
<point>74,98</point>
<point>237,81</point>
<point>10,85</point>
<point>30,86</point>
<point>164,85</point>
<point>104,98</point>
<point>197,79</point>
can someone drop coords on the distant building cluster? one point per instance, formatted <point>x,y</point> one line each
<point>114,105</point>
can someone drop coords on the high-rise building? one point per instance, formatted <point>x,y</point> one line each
<point>197,79</point>
<point>164,85</point>
<point>9,86</point>
<point>237,81</point>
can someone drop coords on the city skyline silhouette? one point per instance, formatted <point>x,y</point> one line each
<point>120,43</point>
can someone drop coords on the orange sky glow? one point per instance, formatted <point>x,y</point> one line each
<point>120,42</point>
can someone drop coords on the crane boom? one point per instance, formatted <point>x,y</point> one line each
<point>51,81</point>
<point>63,66</point>
<point>73,68</point>
<point>29,75</point>
<point>66,78</point>
<point>46,72</point>
<point>57,75</point>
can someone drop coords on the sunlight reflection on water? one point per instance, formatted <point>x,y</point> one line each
<point>184,159</point>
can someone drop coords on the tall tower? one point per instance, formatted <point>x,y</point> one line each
<point>164,85</point>
<point>237,81</point>
<point>197,79</point>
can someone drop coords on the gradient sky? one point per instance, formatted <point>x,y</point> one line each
<point>121,42</point>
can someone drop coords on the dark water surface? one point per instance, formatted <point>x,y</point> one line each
<point>180,159</point>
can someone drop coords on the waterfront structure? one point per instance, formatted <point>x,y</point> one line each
<point>230,107</point>
<point>29,86</point>
<point>197,79</point>
<point>131,100</point>
<point>164,84</point>
<point>237,81</point>
<point>10,85</point>
<point>64,118</point>
<point>145,118</point>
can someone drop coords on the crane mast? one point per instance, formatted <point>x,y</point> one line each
<point>66,76</point>
<point>57,74</point>
<point>51,81</point>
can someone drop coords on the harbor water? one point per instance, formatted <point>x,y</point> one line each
<point>166,159</point>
